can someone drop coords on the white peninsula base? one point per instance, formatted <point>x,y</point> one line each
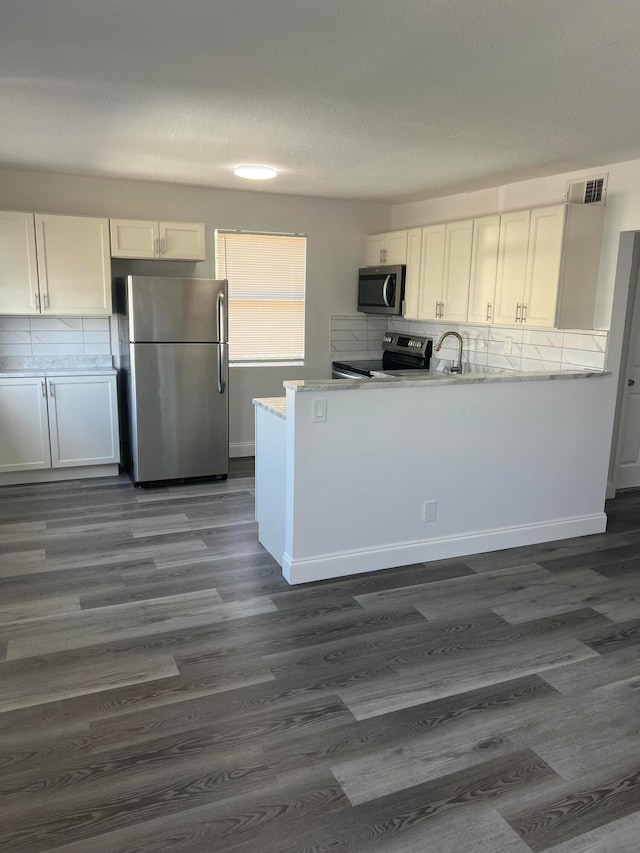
<point>508,460</point>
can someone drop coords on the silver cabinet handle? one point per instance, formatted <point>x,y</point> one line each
<point>44,388</point>
<point>156,247</point>
<point>52,392</point>
<point>37,295</point>
<point>441,310</point>
<point>489,306</point>
<point>222,363</point>
<point>437,309</point>
<point>523,318</point>
<point>163,246</point>
<point>631,382</point>
<point>45,300</point>
<point>518,307</point>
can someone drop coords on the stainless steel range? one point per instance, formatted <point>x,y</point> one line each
<point>401,354</point>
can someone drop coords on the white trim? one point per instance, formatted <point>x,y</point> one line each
<point>82,472</point>
<point>358,562</point>
<point>611,491</point>
<point>242,448</point>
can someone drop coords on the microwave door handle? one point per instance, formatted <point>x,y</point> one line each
<point>385,296</point>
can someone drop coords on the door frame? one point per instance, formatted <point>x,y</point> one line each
<point>633,300</point>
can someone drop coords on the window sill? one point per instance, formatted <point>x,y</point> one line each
<point>266,364</point>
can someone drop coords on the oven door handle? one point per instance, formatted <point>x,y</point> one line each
<point>385,295</point>
<point>337,373</point>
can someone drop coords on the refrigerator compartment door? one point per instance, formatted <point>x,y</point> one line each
<point>179,418</point>
<point>180,310</point>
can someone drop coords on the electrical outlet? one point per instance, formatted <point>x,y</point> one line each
<point>319,411</point>
<point>508,344</point>
<point>430,510</point>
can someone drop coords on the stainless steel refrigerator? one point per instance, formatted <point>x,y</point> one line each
<point>174,377</point>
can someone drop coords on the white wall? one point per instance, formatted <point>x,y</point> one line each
<point>335,247</point>
<point>509,463</point>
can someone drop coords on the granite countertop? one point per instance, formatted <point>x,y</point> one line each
<point>382,381</point>
<point>49,371</point>
<point>275,405</point>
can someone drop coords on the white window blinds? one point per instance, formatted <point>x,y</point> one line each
<point>266,274</point>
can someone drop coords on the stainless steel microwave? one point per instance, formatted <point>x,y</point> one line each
<point>381,289</point>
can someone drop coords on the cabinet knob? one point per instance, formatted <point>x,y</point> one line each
<point>631,382</point>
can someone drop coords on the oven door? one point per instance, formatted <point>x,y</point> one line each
<point>381,290</point>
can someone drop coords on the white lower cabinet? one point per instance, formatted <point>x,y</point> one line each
<point>24,425</point>
<point>58,422</point>
<point>83,420</point>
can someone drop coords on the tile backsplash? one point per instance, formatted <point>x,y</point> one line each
<point>359,336</point>
<point>52,336</point>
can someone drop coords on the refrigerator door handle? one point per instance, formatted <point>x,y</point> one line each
<point>222,368</point>
<point>222,321</point>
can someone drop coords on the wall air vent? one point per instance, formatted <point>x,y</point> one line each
<point>591,191</point>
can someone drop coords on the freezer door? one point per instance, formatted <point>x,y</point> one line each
<point>166,310</point>
<point>179,411</point>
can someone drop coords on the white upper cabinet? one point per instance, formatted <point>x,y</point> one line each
<point>412,281</point>
<point>24,426</point>
<point>548,266</point>
<point>74,265</point>
<point>512,266</point>
<point>484,267</point>
<point>536,267</point>
<point>432,271</point>
<point>444,271</point>
<point>563,264</point>
<point>19,292</point>
<point>387,249</point>
<point>132,238</point>
<point>180,241</point>
<point>457,263</point>
<point>546,237</point>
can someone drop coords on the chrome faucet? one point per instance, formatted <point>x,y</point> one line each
<point>455,368</point>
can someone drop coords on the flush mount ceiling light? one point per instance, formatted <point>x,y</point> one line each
<point>255,173</point>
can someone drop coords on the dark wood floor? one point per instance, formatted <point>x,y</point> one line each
<point>163,689</point>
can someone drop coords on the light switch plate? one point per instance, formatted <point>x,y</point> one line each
<point>319,411</point>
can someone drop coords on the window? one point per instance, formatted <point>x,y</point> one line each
<point>266,274</point>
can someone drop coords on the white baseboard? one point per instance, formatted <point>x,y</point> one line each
<point>242,448</point>
<point>357,562</point>
<point>52,475</point>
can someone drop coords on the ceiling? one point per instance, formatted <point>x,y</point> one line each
<point>363,99</point>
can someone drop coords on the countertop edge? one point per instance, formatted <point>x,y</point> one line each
<point>276,405</point>
<point>27,373</point>
<point>303,385</point>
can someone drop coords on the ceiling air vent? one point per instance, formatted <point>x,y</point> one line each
<point>591,191</point>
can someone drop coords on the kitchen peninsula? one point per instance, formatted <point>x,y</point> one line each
<point>358,475</point>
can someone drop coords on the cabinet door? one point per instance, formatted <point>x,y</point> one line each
<point>546,238</point>
<point>396,248</point>
<point>83,417</point>
<point>74,265</point>
<point>18,269</point>
<point>375,246</point>
<point>432,271</point>
<point>131,238</point>
<point>24,426</point>
<point>457,263</point>
<point>182,241</point>
<point>484,267</point>
<point>412,282</point>
<point>512,266</point>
